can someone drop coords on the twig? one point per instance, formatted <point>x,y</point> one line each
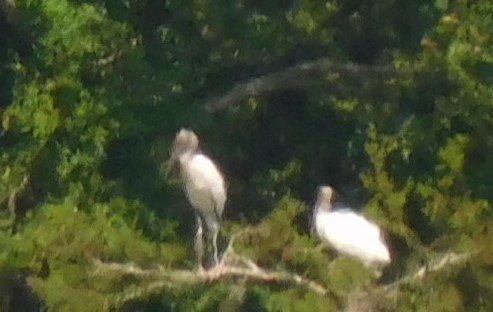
<point>129,268</point>
<point>11,204</point>
<point>108,59</point>
<point>301,75</point>
<point>129,295</point>
<point>364,300</point>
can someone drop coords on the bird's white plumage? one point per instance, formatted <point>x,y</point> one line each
<point>204,185</point>
<point>349,232</point>
<point>352,234</point>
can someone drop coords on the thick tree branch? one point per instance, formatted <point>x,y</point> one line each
<point>301,75</point>
<point>186,277</point>
<point>447,260</point>
<point>169,279</point>
<point>231,265</point>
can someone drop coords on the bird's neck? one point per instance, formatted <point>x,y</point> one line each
<point>186,156</point>
<point>185,160</point>
<point>323,204</point>
<point>325,207</point>
<point>319,211</point>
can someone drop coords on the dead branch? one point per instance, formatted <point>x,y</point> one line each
<point>301,75</point>
<point>366,300</point>
<point>188,277</point>
<point>8,10</point>
<point>447,260</point>
<point>11,204</point>
<point>231,265</point>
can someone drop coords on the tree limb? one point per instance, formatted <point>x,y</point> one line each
<point>447,260</point>
<point>231,265</point>
<point>367,300</point>
<point>7,9</point>
<point>223,270</point>
<point>12,198</point>
<point>301,75</point>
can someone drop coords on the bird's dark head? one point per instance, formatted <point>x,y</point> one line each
<point>185,141</point>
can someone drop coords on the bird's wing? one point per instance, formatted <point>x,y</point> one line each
<point>351,228</point>
<point>370,234</point>
<point>209,177</point>
<point>353,234</point>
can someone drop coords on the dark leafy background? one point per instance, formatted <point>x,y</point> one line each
<point>92,92</point>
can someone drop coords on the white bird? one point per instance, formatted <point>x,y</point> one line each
<point>204,187</point>
<point>348,232</point>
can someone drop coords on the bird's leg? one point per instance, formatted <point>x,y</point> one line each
<point>216,272</point>
<point>199,244</point>
<point>214,245</point>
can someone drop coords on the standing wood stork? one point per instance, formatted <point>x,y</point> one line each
<point>204,187</point>
<point>348,232</point>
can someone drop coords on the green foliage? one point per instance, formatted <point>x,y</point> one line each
<point>293,300</point>
<point>92,92</point>
<point>346,275</point>
<point>61,241</point>
<point>258,243</point>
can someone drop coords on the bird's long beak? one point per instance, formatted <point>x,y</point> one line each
<point>313,230</point>
<point>312,222</point>
<point>169,166</point>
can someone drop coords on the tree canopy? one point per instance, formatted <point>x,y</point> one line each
<point>390,102</point>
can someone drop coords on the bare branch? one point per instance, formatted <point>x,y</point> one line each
<point>130,295</point>
<point>108,59</point>
<point>187,277</point>
<point>7,8</point>
<point>231,265</point>
<point>447,260</point>
<point>368,299</point>
<point>129,268</point>
<point>11,204</point>
<point>301,75</point>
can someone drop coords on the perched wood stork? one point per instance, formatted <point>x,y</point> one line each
<point>204,187</point>
<point>348,232</point>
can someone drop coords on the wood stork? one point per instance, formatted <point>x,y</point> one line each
<point>204,187</point>
<point>348,232</point>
